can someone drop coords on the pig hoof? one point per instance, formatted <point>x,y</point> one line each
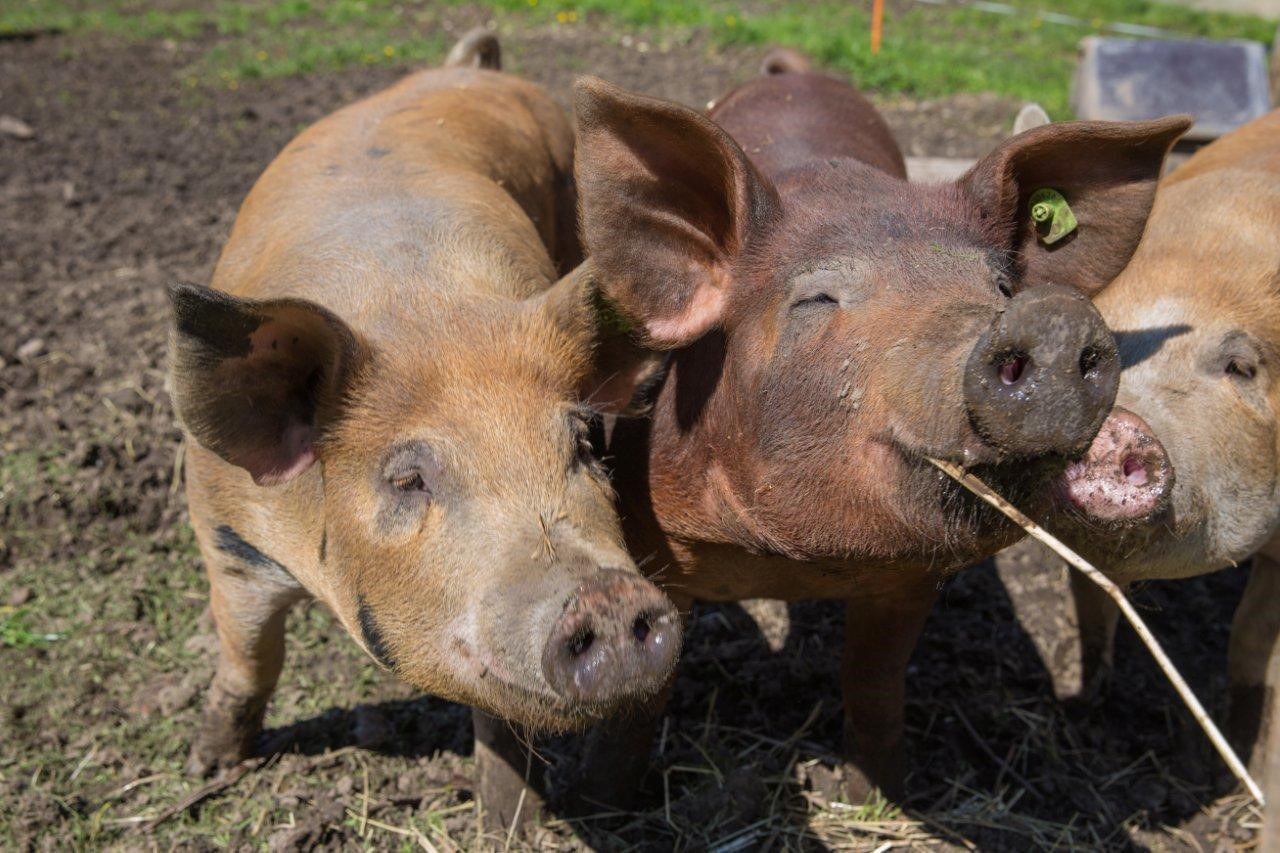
<point>871,780</point>
<point>231,725</point>
<point>208,758</point>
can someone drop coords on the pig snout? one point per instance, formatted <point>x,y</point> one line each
<point>1042,378</point>
<point>617,639</point>
<point>1125,476</point>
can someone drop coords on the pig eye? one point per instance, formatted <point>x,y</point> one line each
<point>411,469</point>
<point>1240,368</point>
<point>816,299</point>
<point>584,453</point>
<point>411,482</point>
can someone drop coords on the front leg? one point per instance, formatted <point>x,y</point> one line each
<point>617,752</point>
<point>1070,621</point>
<point>880,633</point>
<point>249,613</point>
<point>509,773</point>
<point>1252,665</point>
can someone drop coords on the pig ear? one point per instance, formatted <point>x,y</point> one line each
<point>668,201</point>
<point>1097,176</point>
<point>253,380</point>
<point>620,369</point>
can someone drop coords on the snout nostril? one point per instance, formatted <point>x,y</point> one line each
<point>1012,368</point>
<point>640,629</point>
<point>580,642</point>
<point>1134,471</point>
<point>1089,361</point>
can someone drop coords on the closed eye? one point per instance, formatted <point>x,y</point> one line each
<point>816,299</point>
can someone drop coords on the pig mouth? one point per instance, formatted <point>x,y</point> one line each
<point>963,525</point>
<point>1124,480</point>
<point>539,709</point>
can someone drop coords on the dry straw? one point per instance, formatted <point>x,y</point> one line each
<point>989,495</point>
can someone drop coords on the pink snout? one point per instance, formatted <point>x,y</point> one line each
<point>616,640</point>
<point>1125,476</point>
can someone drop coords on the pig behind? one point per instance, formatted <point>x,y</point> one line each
<point>1197,317</point>
<point>384,394</point>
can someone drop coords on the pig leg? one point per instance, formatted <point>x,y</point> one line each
<point>1069,620</point>
<point>1096,618</point>
<point>617,752</point>
<point>1269,753</point>
<point>250,617</point>
<point>617,758</point>
<point>508,773</point>
<point>880,634</point>
<point>1251,661</point>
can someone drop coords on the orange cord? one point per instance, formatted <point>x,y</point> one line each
<point>877,21</point>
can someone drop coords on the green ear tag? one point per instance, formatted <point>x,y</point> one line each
<point>1052,216</point>
<point>607,316</point>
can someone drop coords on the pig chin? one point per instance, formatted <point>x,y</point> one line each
<point>492,687</point>
<point>948,521</point>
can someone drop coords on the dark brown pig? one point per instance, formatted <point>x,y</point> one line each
<point>1197,317</point>
<point>831,327</point>
<point>383,392</point>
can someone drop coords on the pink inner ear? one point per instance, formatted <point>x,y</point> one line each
<point>293,455</point>
<point>700,315</point>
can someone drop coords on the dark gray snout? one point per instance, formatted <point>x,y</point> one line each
<point>616,640</point>
<point>1044,377</point>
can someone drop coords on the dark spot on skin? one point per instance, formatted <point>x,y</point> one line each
<point>250,558</point>
<point>373,640</point>
<point>375,152</point>
<point>324,544</point>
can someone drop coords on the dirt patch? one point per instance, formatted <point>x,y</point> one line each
<point>132,182</point>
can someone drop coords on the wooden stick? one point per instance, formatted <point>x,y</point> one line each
<point>1108,586</point>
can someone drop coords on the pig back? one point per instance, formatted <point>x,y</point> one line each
<point>785,120</point>
<point>1252,148</point>
<point>455,180</point>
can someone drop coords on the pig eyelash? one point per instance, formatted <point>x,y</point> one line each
<point>411,482</point>
<point>816,299</point>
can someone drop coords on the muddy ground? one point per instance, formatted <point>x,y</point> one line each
<point>132,181</point>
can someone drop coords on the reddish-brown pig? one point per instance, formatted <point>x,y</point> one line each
<point>832,326</point>
<point>1197,317</point>
<point>383,393</point>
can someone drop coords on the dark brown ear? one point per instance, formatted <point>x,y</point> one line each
<point>254,380</point>
<point>621,369</point>
<point>668,201</point>
<point>1106,173</point>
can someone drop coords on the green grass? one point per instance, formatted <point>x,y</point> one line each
<point>17,633</point>
<point>928,50</point>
